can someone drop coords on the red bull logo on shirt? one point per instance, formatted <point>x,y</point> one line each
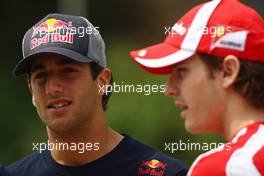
<point>153,167</point>
<point>51,30</point>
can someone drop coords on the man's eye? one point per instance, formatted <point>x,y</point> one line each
<point>40,75</point>
<point>182,71</point>
<point>69,70</point>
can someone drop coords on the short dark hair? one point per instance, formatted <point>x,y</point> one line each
<point>95,70</point>
<point>250,80</point>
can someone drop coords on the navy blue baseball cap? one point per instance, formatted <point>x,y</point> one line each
<point>71,36</point>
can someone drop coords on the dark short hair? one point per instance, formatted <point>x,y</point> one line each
<point>249,82</point>
<point>95,70</point>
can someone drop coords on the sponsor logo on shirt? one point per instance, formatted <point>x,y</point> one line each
<point>153,167</point>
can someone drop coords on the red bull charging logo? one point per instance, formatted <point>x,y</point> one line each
<point>153,167</point>
<point>51,30</point>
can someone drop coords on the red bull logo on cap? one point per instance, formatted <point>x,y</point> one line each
<point>153,167</point>
<point>51,30</point>
<point>49,26</point>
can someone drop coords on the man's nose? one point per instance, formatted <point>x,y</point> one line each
<point>53,85</point>
<point>171,88</point>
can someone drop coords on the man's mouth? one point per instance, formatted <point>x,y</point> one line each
<point>58,104</point>
<point>181,105</point>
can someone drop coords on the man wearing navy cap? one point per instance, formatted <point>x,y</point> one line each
<point>64,58</point>
<point>214,56</point>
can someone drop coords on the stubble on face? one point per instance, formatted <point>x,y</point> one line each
<point>81,93</point>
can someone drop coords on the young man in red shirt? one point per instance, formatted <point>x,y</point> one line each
<point>214,56</point>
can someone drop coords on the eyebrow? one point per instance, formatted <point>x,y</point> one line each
<point>65,61</point>
<point>37,67</point>
<point>59,62</point>
<point>177,66</point>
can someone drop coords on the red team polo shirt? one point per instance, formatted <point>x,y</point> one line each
<point>242,156</point>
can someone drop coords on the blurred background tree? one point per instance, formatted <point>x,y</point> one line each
<point>125,25</point>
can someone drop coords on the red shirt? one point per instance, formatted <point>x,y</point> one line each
<point>242,156</point>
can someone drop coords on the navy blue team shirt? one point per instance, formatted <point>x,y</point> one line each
<point>2,171</point>
<point>128,158</point>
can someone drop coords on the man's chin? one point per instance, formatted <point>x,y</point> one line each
<point>196,129</point>
<point>192,128</point>
<point>60,125</point>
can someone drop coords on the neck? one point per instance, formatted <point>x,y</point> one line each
<point>91,141</point>
<point>239,114</point>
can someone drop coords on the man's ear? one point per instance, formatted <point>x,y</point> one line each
<point>33,98</point>
<point>29,87</point>
<point>103,80</point>
<point>230,70</point>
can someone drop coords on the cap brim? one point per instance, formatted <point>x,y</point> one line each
<point>23,66</point>
<point>158,59</point>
